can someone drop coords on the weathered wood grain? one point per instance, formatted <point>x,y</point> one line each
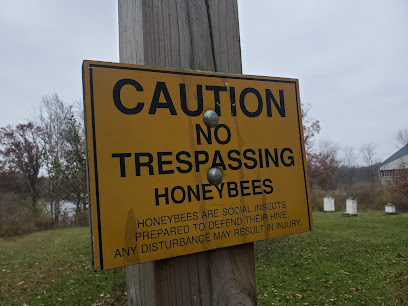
<point>140,283</point>
<point>197,35</point>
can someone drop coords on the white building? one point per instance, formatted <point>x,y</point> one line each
<point>394,166</point>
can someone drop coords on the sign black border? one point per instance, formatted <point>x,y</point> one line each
<point>203,74</point>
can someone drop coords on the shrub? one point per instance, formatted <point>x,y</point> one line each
<point>317,196</point>
<point>18,216</point>
<point>369,196</point>
<point>82,218</point>
<point>398,192</point>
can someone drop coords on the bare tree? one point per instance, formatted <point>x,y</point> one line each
<point>329,150</point>
<point>323,165</point>
<point>75,181</point>
<point>22,151</point>
<point>311,127</point>
<point>54,116</point>
<point>64,138</point>
<point>350,162</point>
<point>368,155</point>
<point>402,138</point>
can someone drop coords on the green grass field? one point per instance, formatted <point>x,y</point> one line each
<point>344,261</point>
<point>54,267</point>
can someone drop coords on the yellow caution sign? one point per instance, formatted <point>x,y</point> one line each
<point>186,161</point>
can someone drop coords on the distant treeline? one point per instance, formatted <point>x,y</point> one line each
<point>43,165</point>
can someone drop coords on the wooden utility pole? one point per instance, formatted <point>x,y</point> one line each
<point>196,35</point>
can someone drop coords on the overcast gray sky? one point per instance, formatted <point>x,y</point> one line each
<point>350,58</point>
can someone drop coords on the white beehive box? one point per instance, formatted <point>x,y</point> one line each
<point>328,204</point>
<point>389,208</point>
<point>351,206</point>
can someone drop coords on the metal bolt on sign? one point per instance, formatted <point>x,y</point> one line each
<point>210,118</point>
<point>214,176</point>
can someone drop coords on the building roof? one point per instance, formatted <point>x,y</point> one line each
<point>403,151</point>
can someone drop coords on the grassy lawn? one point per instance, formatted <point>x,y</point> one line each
<point>54,267</point>
<point>344,261</point>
